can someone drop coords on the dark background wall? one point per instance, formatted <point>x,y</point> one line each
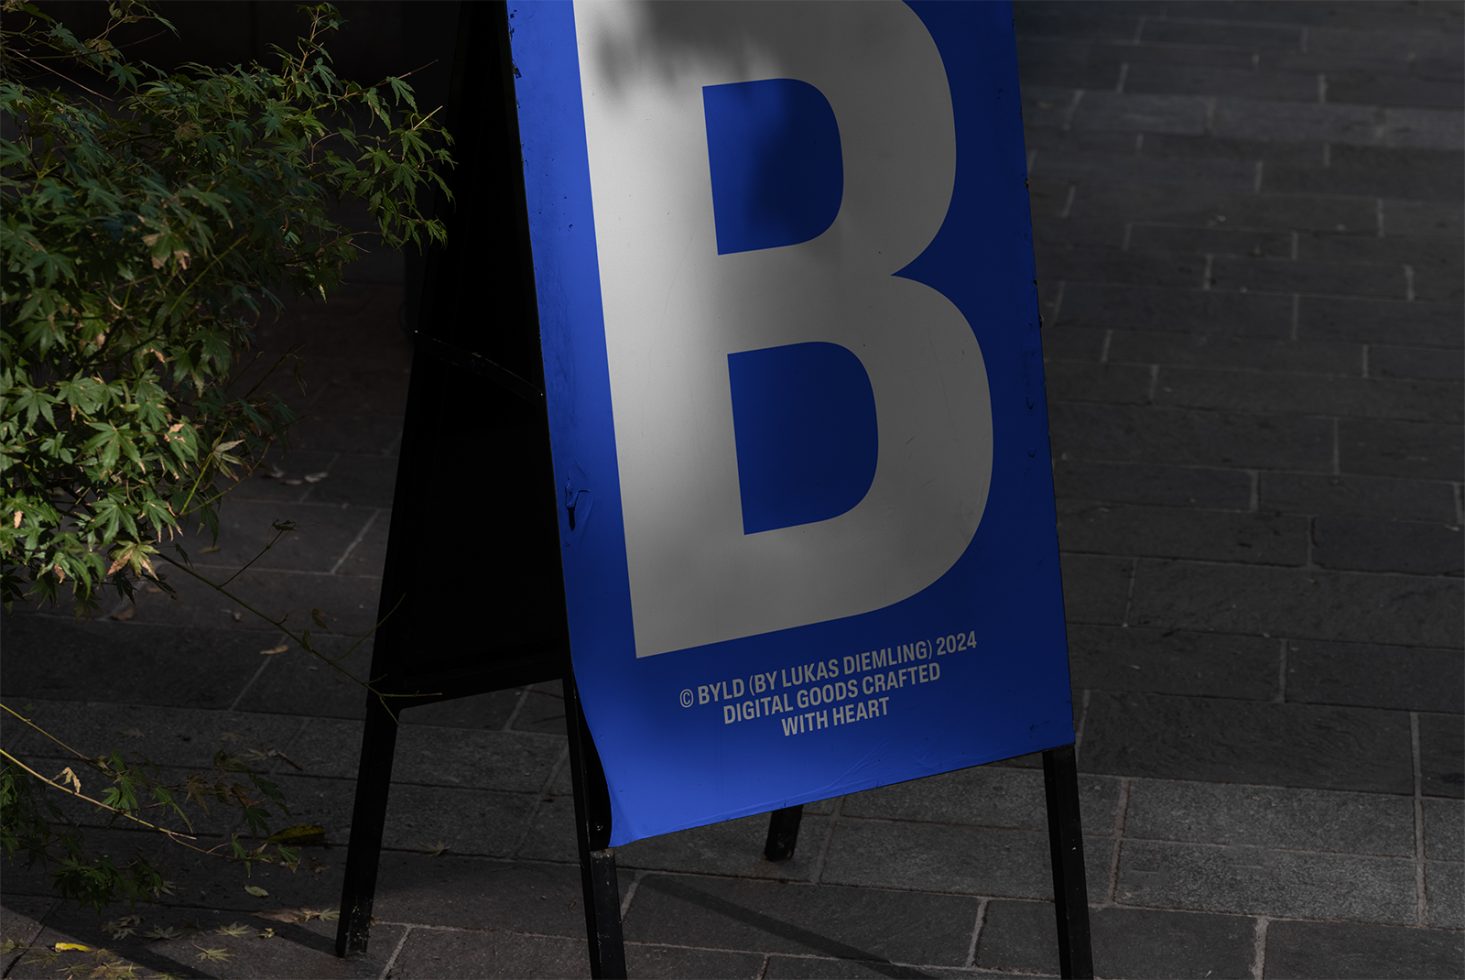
<point>389,37</point>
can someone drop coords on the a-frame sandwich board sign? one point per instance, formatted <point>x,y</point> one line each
<point>783,273</point>
<point>475,426</point>
<point>788,314</point>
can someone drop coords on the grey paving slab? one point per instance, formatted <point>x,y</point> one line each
<point>20,924</point>
<point>1075,143</point>
<point>1442,754</point>
<point>1123,433</point>
<point>1409,610</point>
<point>985,796</point>
<point>371,434</point>
<point>184,737</point>
<point>1095,588</point>
<point>363,480</point>
<point>1411,41</point>
<point>733,847</point>
<point>1444,830</point>
<point>201,881</point>
<point>1046,108</point>
<point>54,657</point>
<point>1138,943</point>
<point>1407,678</point>
<point>1413,362</point>
<point>819,920</point>
<point>1434,219</point>
<point>1388,249</point>
<point>1169,662</point>
<point>1164,31</point>
<point>368,555</point>
<point>426,819</point>
<point>1337,950</point>
<point>1095,164</point>
<point>1234,209</point>
<point>1356,495</point>
<point>1441,129</point>
<point>1068,343</point>
<point>1283,394</point>
<point>431,953</point>
<point>1095,263</point>
<point>1106,306</point>
<point>250,531</point>
<point>347,604</point>
<point>1270,816</point>
<point>543,710</point>
<point>1370,545</point>
<point>1050,230</point>
<point>1212,147</point>
<point>1380,321</point>
<point>1444,883</point>
<point>1290,121</point>
<point>1204,350</point>
<point>300,683</point>
<point>479,893</point>
<point>1382,281</point>
<point>512,761</point>
<point>211,943</point>
<point>1044,20</point>
<point>1247,82</point>
<point>954,859</point>
<point>1211,241</point>
<point>1077,381</point>
<point>1373,171</point>
<point>1141,113</point>
<point>1389,448</point>
<point>1226,741</point>
<point>1165,532</point>
<point>281,477</point>
<point>1153,483</point>
<point>823,968</point>
<point>1263,881</point>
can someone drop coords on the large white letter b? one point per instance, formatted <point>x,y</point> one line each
<point>675,309</point>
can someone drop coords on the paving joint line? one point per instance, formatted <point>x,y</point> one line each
<point>360,536</point>
<point>1421,909</point>
<point>981,918</point>
<point>836,812</point>
<point>1121,818</point>
<point>1129,595</point>
<point>254,678</point>
<point>1259,948</point>
<point>310,487</point>
<point>392,960</point>
<point>1083,717</point>
<point>1282,673</point>
<point>636,877</point>
<point>543,796</point>
<point>518,707</point>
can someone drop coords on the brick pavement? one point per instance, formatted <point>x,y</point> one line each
<point>1248,221</point>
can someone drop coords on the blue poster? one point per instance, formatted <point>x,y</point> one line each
<point>785,281</point>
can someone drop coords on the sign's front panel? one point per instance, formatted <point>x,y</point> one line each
<point>786,298</point>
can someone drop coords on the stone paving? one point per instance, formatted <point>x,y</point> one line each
<point>1248,224</point>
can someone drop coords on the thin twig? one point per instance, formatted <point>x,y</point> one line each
<point>175,835</point>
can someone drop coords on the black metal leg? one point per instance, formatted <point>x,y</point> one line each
<point>368,820</point>
<point>783,833</point>
<point>602,894</point>
<point>1065,843</point>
